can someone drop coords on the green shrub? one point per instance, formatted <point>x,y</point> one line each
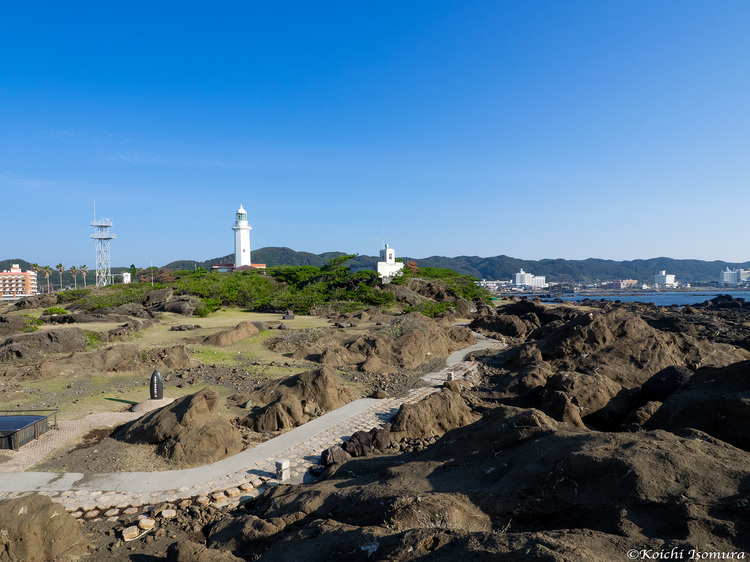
<point>92,340</point>
<point>457,284</point>
<point>54,310</point>
<point>120,294</point>
<point>32,324</point>
<point>430,308</point>
<point>72,295</point>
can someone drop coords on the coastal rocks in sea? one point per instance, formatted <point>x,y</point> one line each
<point>240,332</point>
<point>35,529</point>
<point>618,345</point>
<point>190,431</point>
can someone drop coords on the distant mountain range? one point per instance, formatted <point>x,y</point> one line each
<point>499,267</point>
<point>504,267</point>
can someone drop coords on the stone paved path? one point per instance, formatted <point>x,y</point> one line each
<point>230,480</point>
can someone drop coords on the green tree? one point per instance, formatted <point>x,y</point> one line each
<point>74,271</point>
<point>84,270</point>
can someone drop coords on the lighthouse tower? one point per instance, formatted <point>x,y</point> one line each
<point>241,239</point>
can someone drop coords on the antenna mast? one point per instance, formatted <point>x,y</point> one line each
<point>101,237</point>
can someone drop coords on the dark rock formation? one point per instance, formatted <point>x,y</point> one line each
<point>189,431</point>
<point>34,529</point>
<point>25,346</point>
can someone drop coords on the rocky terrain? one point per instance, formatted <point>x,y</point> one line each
<point>602,432</point>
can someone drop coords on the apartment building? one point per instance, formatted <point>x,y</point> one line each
<point>16,284</point>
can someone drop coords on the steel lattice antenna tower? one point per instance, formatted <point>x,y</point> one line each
<point>101,237</point>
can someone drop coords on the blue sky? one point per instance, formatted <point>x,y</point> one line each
<point>531,128</point>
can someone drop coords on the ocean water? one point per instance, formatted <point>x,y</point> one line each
<point>665,298</point>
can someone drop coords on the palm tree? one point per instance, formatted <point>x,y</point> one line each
<point>36,269</point>
<point>74,271</point>
<point>47,270</point>
<point>84,270</point>
<point>60,268</point>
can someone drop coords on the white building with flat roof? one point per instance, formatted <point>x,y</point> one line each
<point>734,276</point>
<point>664,280</point>
<point>524,279</point>
<point>387,267</point>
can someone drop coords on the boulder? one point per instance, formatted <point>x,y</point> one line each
<point>714,401</point>
<point>34,529</point>
<point>11,325</point>
<point>333,455</point>
<point>292,401</point>
<point>189,431</point>
<point>359,444</point>
<point>665,382</point>
<point>285,413</point>
<point>189,551</point>
<point>25,346</point>
<point>184,305</point>
<point>45,300</point>
<point>432,416</point>
<point>242,331</point>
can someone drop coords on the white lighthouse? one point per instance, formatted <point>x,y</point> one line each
<point>241,239</point>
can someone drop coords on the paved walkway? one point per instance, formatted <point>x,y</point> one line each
<point>236,477</point>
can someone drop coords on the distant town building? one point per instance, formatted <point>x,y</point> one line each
<point>734,276</point>
<point>242,258</point>
<point>524,279</point>
<point>621,284</point>
<point>664,280</point>
<point>492,284</point>
<point>387,267</point>
<point>17,284</point>
<point>127,277</point>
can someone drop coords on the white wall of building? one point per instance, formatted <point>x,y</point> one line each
<point>665,280</point>
<point>388,267</point>
<point>524,279</point>
<point>241,239</point>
